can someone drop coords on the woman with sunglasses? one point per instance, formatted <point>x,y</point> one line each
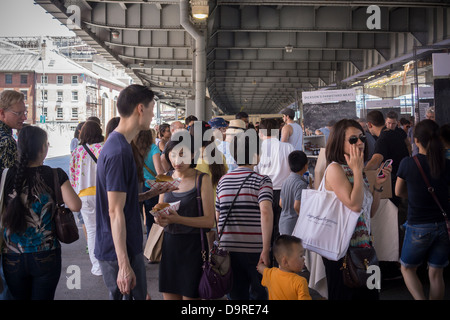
<point>345,154</point>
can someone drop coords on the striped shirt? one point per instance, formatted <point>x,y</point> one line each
<point>242,232</point>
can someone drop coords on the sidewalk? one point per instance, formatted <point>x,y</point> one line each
<point>91,287</point>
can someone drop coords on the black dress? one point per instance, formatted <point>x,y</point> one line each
<point>181,262</point>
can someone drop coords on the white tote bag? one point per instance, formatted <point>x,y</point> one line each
<point>325,224</point>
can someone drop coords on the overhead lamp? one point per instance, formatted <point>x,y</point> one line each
<point>115,34</point>
<point>200,9</point>
<point>289,48</point>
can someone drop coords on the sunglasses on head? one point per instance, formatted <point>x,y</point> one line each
<point>354,139</point>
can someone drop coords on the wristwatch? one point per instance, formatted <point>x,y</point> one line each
<point>378,190</point>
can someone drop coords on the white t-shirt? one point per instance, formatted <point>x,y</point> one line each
<point>274,161</point>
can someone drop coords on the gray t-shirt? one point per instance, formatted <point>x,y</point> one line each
<point>291,190</point>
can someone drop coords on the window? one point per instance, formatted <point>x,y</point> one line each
<point>59,79</point>
<point>74,79</point>
<point>60,96</point>
<point>44,79</point>
<point>74,112</point>
<point>74,95</point>
<point>60,112</point>
<point>44,95</point>
<point>23,78</point>
<point>44,111</point>
<point>8,78</point>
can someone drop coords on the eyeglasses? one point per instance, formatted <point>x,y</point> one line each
<point>19,114</point>
<point>354,139</point>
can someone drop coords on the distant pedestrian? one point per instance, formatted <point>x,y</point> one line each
<point>291,191</point>
<point>83,170</point>
<point>291,132</point>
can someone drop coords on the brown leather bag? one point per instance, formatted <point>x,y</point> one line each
<point>355,265</point>
<point>65,225</point>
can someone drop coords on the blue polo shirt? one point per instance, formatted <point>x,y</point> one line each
<point>116,171</point>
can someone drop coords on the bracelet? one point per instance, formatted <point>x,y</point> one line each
<point>378,190</point>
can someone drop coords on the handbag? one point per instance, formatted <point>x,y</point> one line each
<point>433,194</point>
<point>153,246</point>
<point>325,224</point>
<point>217,276</point>
<point>355,264</point>
<point>65,225</point>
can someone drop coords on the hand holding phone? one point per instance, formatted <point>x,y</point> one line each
<point>386,164</point>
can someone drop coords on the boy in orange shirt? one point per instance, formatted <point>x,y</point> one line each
<point>284,283</point>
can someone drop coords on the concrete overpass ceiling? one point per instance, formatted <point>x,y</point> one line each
<point>261,54</point>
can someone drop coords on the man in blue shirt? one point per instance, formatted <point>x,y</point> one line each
<point>119,236</point>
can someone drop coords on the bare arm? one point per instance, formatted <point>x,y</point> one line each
<point>375,162</point>
<point>265,207</point>
<point>205,221</point>
<point>336,180</point>
<point>400,188</point>
<point>157,163</point>
<point>286,133</point>
<point>126,279</point>
<point>70,198</point>
<point>297,204</point>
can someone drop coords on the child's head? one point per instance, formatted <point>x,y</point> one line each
<point>298,161</point>
<point>288,252</point>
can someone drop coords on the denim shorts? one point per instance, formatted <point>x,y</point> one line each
<point>426,241</point>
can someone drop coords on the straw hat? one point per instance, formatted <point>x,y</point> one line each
<point>236,126</point>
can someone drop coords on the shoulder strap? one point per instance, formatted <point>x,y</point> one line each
<point>149,170</point>
<point>430,188</point>
<point>90,153</point>
<point>231,206</point>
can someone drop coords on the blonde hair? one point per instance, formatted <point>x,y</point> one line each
<point>9,98</point>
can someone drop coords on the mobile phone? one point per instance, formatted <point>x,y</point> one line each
<point>386,164</point>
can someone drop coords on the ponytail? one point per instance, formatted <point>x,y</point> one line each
<point>427,133</point>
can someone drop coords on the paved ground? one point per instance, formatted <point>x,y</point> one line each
<point>92,287</point>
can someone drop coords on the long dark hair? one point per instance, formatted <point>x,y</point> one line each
<point>427,133</point>
<point>30,142</point>
<point>335,145</point>
<point>141,146</point>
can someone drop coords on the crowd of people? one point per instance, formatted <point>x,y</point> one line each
<point>108,188</point>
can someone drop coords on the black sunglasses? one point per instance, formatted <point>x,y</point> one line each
<point>354,139</point>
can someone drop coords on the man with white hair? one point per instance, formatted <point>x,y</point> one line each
<point>13,113</point>
<point>429,114</point>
